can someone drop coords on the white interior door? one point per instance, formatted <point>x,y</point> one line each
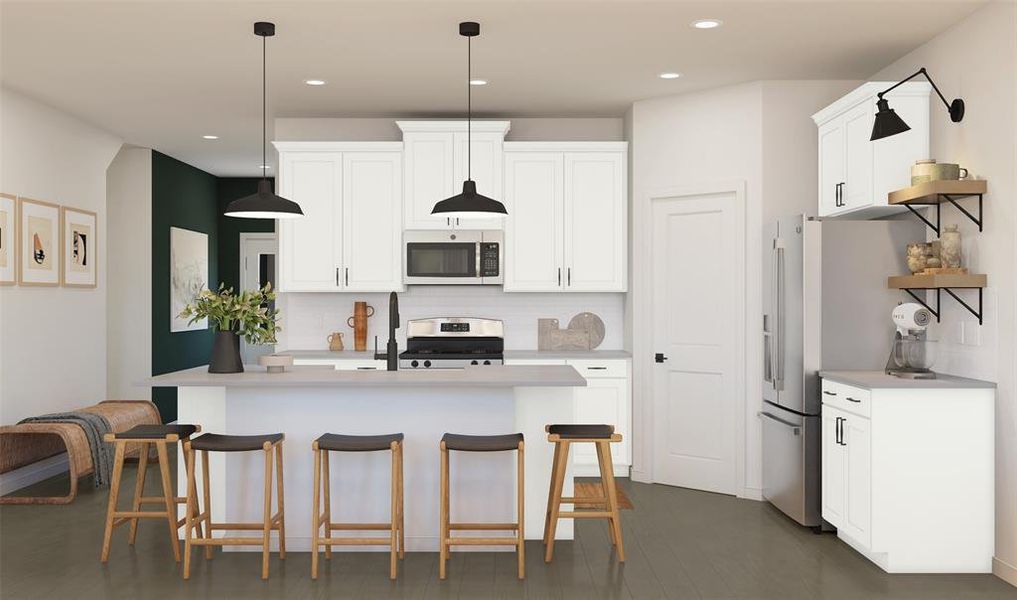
<point>258,252</point>
<point>698,291</point>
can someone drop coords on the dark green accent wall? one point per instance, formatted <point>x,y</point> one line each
<point>230,228</point>
<point>186,197</point>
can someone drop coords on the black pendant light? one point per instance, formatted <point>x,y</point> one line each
<point>888,122</point>
<point>263,204</point>
<point>469,204</point>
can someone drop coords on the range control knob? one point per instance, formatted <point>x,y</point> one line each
<point>414,364</point>
<point>427,363</point>
<point>473,362</point>
<point>487,362</point>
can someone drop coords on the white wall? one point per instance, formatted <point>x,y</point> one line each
<point>308,318</point>
<point>129,279</point>
<point>977,60</point>
<point>759,133</point>
<point>385,129</point>
<point>53,340</point>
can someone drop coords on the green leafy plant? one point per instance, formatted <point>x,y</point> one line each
<point>246,314</point>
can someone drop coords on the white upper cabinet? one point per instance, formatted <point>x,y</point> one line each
<point>372,209</point>
<point>595,221</point>
<point>567,224</point>
<point>309,246</point>
<point>855,174</point>
<point>351,233</point>
<point>436,166</point>
<point>534,228</point>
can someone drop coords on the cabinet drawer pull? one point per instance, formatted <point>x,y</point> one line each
<point>597,368</point>
<point>852,399</point>
<point>829,393</point>
<point>366,368</point>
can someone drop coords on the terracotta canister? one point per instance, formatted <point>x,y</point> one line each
<point>950,247</point>
<point>335,342</point>
<point>361,312</point>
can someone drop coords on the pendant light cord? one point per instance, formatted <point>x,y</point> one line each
<point>469,107</point>
<point>264,110</point>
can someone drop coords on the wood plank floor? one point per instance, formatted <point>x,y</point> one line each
<point>681,544</point>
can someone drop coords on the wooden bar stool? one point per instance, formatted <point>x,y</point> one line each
<point>146,436</point>
<point>396,540</point>
<point>213,442</point>
<point>563,436</point>
<point>481,443</point>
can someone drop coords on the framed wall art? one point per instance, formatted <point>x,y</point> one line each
<point>39,238</point>
<point>79,241</point>
<point>188,275</point>
<point>8,239</point>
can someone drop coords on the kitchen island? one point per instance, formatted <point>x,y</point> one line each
<point>305,402</point>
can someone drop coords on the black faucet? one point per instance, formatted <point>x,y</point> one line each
<point>392,351</point>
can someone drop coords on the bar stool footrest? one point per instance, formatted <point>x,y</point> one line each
<point>479,541</point>
<point>364,541</point>
<point>484,526</point>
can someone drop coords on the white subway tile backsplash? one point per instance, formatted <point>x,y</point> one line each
<point>308,318</point>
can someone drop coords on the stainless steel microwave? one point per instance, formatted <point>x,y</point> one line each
<point>453,257</point>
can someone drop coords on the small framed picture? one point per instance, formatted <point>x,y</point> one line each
<point>8,239</point>
<point>39,236</point>
<point>79,237</point>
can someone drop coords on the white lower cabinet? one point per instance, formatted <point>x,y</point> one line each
<point>908,475</point>
<point>606,399</point>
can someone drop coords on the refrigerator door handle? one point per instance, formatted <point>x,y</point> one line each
<point>795,429</point>
<point>767,351</point>
<point>780,309</point>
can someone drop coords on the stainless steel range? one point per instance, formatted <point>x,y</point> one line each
<point>452,343</point>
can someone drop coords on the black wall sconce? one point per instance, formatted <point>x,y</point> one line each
<point>888,122</point>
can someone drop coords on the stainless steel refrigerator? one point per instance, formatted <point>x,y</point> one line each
<point>825,306</point>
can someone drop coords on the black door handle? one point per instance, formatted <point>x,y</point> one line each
<point>659,357</point>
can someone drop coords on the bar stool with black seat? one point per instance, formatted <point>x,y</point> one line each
<point>480,443</point>
<point>214,442</point>
<point>563,436</point>
<point>396,540</point>
<point>146,436</point>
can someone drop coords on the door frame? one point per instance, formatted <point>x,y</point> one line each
<point>642,330</point>
<point>245,238</point>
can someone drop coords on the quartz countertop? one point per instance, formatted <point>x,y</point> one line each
<point>495,376</point>
<point>873,380</point>
<point>509,354</point>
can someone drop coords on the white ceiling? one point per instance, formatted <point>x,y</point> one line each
<point>162,74</point>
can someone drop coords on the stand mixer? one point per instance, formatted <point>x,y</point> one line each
<point>910,356</point>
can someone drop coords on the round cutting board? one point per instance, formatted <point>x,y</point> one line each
<point>587,321</point>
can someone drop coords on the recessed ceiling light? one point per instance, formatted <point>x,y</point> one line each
<point>478,82</point>
<point>707,23</point>
<point>670,75</point>
<point>210,137</point>
<point>314,81</point>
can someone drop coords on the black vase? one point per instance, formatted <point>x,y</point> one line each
<point>226,353</point>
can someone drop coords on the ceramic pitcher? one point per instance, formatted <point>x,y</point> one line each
<point>335,342</point>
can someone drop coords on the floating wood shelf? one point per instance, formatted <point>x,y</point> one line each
<point>940,280</point>
<point>943,282</point>
<point>932,192</point>
<point>935,193</point>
